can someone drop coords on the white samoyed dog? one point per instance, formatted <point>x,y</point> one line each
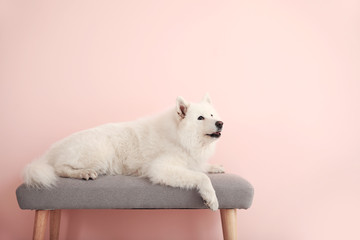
<point>171,148</point>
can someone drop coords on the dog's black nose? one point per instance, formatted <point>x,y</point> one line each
<point>219,124</point>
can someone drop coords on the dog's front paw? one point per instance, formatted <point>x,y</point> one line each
<point>215,169</point>
<point>212,204</point>
<point>207,193</point>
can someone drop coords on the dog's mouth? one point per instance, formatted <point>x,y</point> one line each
<point>214,135</point>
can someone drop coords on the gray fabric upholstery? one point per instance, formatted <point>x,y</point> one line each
<point>126,192</point>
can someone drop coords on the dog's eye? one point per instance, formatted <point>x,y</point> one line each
<point>212,115</point>
<point>201,118</point>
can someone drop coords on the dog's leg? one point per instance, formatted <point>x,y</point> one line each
<point>177,176</point>
<point>70,172</point>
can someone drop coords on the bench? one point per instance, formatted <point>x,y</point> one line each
<point>126,192</point>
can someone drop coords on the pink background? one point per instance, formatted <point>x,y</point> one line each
<point>284,75</point>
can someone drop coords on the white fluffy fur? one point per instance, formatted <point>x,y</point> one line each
<point>171,148</point>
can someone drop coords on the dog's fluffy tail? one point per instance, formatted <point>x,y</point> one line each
<point>39,174</point>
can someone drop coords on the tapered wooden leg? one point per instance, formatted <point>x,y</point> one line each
<point>41,217</point>
<point>55,217</point>
<point>228,221</point>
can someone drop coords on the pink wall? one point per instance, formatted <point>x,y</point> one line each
<point>285,76</point>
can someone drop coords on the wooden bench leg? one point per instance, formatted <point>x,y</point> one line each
<point>41,217</point>
<point>228,221</point>
<point>55,217</point>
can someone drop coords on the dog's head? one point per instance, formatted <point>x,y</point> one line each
<point>198,122</point>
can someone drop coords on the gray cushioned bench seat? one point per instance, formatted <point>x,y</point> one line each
<point>126,192</point>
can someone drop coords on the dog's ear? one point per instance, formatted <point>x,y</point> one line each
<point>207,98</point>
<point>181,107</point>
